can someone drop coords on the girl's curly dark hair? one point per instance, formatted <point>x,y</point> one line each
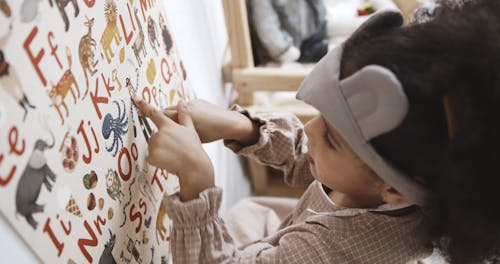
<point>454,54</point>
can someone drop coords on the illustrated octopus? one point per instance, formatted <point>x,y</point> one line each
<point>118,125</point>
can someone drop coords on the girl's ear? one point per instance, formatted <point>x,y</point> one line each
<point>392,196</point>
<point>378,23</point>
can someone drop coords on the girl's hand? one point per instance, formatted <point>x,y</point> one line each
<point>213,122</point>
<point>177,148</point>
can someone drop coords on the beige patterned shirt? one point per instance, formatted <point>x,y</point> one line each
<point>317,231</point>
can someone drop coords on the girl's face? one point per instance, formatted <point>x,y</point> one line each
<point>334,164</point>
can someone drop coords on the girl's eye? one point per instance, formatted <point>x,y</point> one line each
<point>329,143</point>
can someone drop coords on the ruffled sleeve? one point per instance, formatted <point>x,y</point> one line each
<point>282,145</point>
<point>199,235</point>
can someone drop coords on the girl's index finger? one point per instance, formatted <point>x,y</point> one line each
<point>157,116</point>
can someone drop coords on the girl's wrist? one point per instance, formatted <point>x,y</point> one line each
<point>196,180</point>
<point>245,130</point>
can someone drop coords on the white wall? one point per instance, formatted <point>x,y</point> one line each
<point>198,29</point>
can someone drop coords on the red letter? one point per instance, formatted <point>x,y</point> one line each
<point>13,137</point>
<point>96,149</point>
<point>143,7</point>
<point>157,180</point>
<point>87,242</point>
<point>53,48</point>
<point>66,230</point>
<point>169,72</point>
<point>144,206</point>
<point>109,87</point>
<point>135,216</point>
<point>98,222</point>
<point>124,176</point>
<point>133,149</point>
<point>35,60</point>
<point>59,245</point>
<point>97,99</point>
<point>128,36</point>
<point>86,158</point>
<point>4,182</point>
<point>146,95</point>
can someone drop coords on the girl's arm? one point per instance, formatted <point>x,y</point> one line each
<point>281,144</point>
<point>276,139</point>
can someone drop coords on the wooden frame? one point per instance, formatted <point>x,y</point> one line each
<point>242,72</point>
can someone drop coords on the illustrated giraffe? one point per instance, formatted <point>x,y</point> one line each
<point>111,31</point>
<point>86,51</point>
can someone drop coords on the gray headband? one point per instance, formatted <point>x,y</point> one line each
<point>367,104</point>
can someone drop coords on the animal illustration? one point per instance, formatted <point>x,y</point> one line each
<point>184,93</point>
<point>167,38</point>
<point>124,259</point>
<point>152,34</point>
<point>124,208</point>
<point>36,173</point>
<point>61,5</point>
<point>161,229</point>
<point>59,91</point>
<point>9,79</point>
<point>29,10</point>
<point>107,256</point>
<point>147,222</point>
<point>4,6</point>
<point>133,250</point>
<point>145,188</point>
<point>86,52</point>
<point>117,125</point>
<point>114,185</point>
<point>138,45</point>
<point>143,122</point>
<point>111,31</point>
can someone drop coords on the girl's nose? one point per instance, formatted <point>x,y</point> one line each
<point>311,125</point>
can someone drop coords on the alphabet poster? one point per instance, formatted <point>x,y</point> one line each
<point>74,182</point>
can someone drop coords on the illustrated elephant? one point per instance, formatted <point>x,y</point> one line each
<point>36,173</point>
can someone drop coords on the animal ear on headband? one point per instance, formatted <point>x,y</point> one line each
<point>376,99</point>
<point>378,23</point>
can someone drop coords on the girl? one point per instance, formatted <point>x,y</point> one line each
<point>401,159</point>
